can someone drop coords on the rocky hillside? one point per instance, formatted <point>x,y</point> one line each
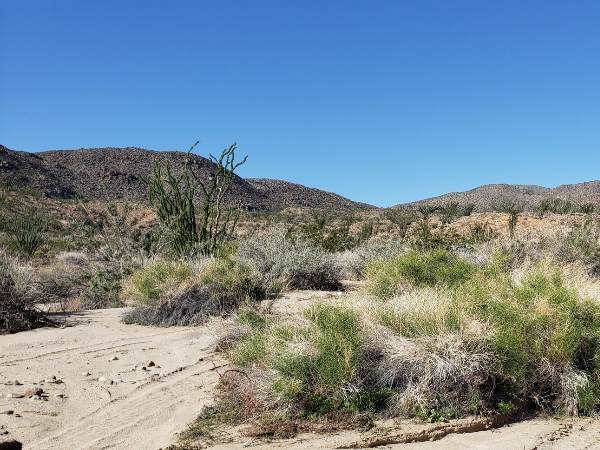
<point>294,195</point>
<point>488,197</point>
<point>118,173</point>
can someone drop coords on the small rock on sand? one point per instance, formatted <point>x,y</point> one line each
<point>113,358</point>
<point>33,391</point>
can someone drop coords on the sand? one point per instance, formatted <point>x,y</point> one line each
<point>138,410</point>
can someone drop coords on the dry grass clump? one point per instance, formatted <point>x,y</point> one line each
<point>148,284</point>
<point>354,262</point>
<point>387,277</point>
<point>18,310</point>
<point>581,244</point>
<point>283,262</point>
<point>171,293</point>
<point>489,344</point>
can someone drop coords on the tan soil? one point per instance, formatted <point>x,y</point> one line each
<point>141,410</point>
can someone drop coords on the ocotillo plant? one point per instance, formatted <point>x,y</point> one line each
<point>200,229</point>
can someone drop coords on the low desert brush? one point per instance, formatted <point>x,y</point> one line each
<point>18,296</point>
<point>386,277</point>
<point>461,342</point>
<point>292,263</point>
<point>182,293</point>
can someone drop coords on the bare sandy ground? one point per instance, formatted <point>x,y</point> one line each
<point>115,407</point>
<point>131,409</point>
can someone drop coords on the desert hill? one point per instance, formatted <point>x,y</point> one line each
<point>488,197</point>
<point>118,173</point>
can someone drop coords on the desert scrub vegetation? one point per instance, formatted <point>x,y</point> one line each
<point>121,249</point>
<point>495,344</point>
<point>18,309</point>
<point>354,262</point>
<point>333,232</point>
<point>387,277</point>
<point>285,262</point>
<point>167,293</point>
<point>581,243</point>
<point>26,232</point>
<point>514,209</point>
<point>561,206</point>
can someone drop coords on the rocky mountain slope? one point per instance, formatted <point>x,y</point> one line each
<point>293,195</point>
<point>118,173</point>
<point>488,197</point>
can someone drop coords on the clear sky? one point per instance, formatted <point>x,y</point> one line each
<point>380,101</point>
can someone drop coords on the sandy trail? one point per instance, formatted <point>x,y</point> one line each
<point>130,409</point>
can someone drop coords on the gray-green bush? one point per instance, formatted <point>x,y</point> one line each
<point>18,296</point>
<point>293,263</point>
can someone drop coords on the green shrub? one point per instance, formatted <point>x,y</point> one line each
<point>386,277</point>
<point>149,283</point>
<point>174,293</point>
<point>317,376</point>
<point>18,297</point>
<point>479,233</point>
<point>27,233</point>
<point>401,218</point>
<point>545,337</point>
<point>332,232</point>
<point>353,262</point>
<point>453,210</point>
<point>556,206</point>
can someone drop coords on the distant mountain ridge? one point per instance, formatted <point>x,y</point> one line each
<point>487,197</point>
<point>118,173</point>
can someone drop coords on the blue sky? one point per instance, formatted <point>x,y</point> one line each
<point>380,101</point>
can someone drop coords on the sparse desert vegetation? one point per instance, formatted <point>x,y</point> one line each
<point>432,313</point>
